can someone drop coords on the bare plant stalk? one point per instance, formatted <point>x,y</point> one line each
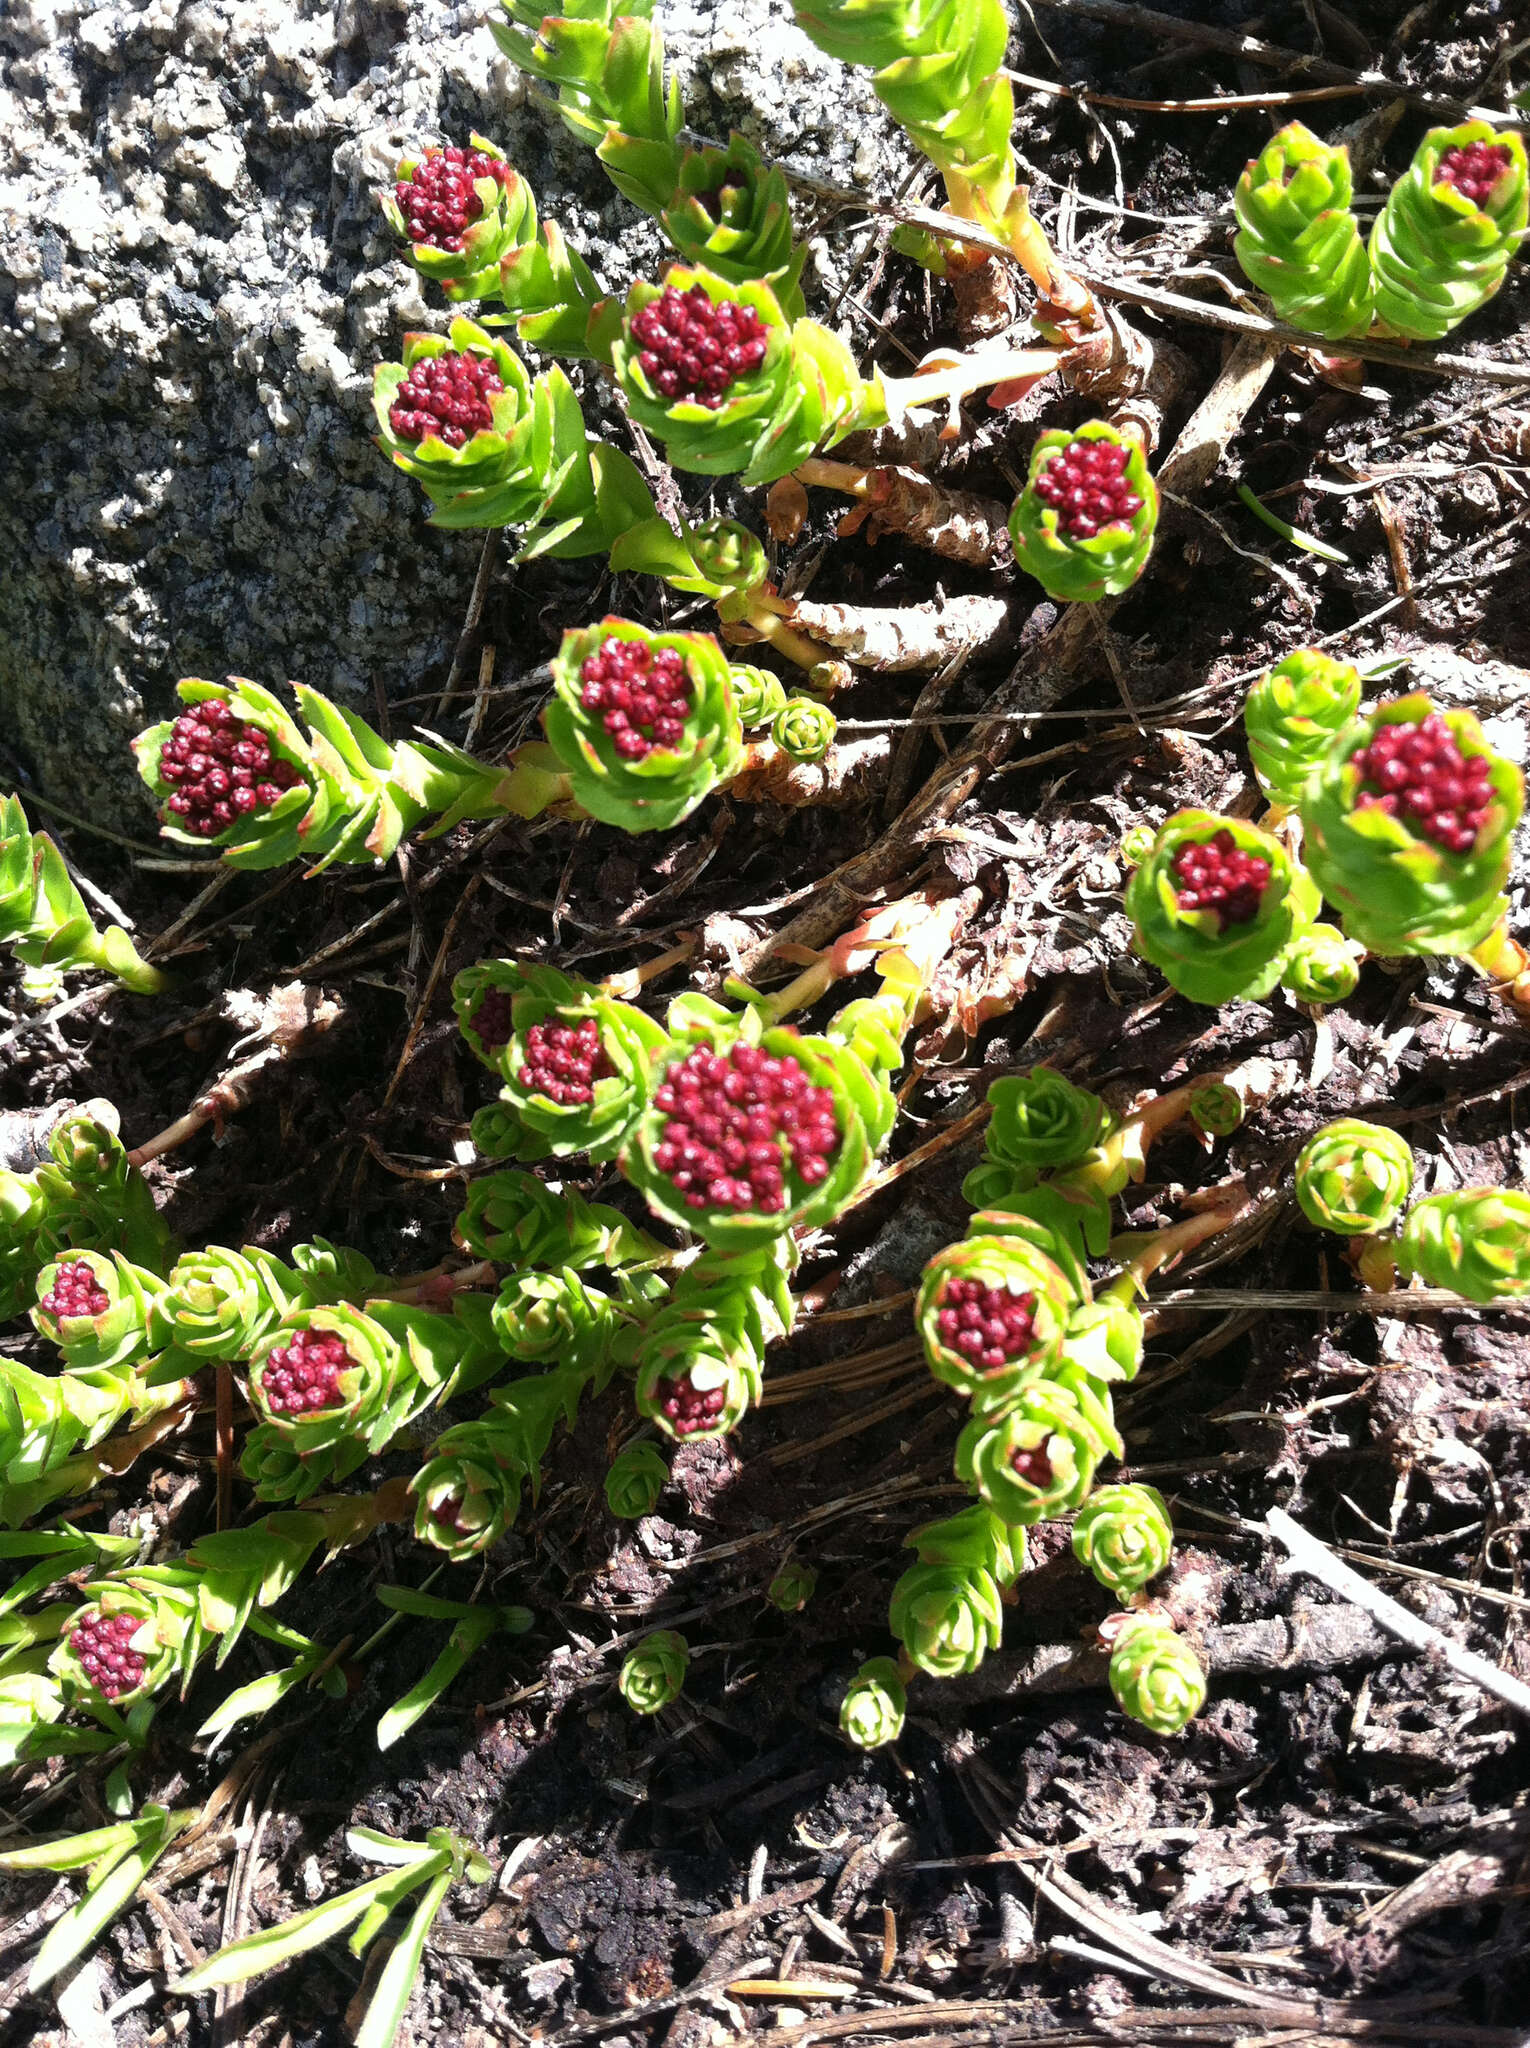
<point>848,774</point>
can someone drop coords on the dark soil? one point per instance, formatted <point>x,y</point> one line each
<point>1338,1847</point>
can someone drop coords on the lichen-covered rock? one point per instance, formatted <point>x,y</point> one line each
<point>195,283</point>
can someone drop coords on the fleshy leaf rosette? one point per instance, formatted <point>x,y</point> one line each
<point>546,1316</point>
<point>804,728</point>
<point>1217,1108</point>
<point>1353,1177</point>
<point>517,1220</point>
<point>1084,524</point>
<point>120,1647</point>
<point>101,1310</point>
<point>325,1375</point>
<point>1293,715</point>
<point>1451,225</point>
<point>1475,1242</point>
<point>468,1492</point>
<point>1298,239</point>
<point>644,723</point>
<point>1041,1119</point>
<point>574,1062</point>
<point>1037,1457</point>
<point>731,215</point>
<point>992,1311</point>
<point>1155,1675</point>
<point>947,1617</point>
<point>876,1700</point>
<point>700,1361</point>
<point>653,1671</point>
<point>792,1587</point>
<point>220,1303</point>
<point>83,1197</point>
<point>729,384</point>
<point>715,558</point>
<point>461,211</point>
<point>1322,966</point>
<point>634,1480</point>
<point>1216,906</point>
<point>1104,1340</point>
<point>1408,826</point>
<point>760,695</point>
<point>490,447</point>
<point>46,921</point>
<point>1124,1536</point>
<point>752,1129</point>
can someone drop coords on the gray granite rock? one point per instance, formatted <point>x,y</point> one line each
<point>195,282</point>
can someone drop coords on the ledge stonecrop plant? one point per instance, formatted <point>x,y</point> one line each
<point>1476,1242</point>
<point>1408,825</point>
<point>701,1360</point>
<point>653,1672</point>
<point>1084,524</point>
<point>1452,223</point>
<point>876,1700</point>
<point>1293,715</point>
<point>84,1197</point>
<point>946,1610</point>
<point>1299,240</point>
<point>1154,1673</point>
<point>1217,904</point>
<point>46,922</point>
<point>1353,1177</point>
<point>1124,1536</point>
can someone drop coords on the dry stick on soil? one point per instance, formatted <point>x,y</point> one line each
<point>914,636</point>
<point>961,525</point>
<point>1422,1301</point>
<point>1317,1561</point>
<point>847,774</point>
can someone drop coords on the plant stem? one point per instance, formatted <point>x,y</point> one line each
<point>1142,1254</point>
<point>1504,960</point>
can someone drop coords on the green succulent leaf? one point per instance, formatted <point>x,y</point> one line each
<point>1436,254</point>
<point>792,1587</point>
<point>1124,1536</point>
<point>1354,1178</point>
<point>1037,1457</point>
<point>1299,240</point>
<point>47,922</point>
<point>1082,571</point>
<point>700,1361</point>
<point>1322,966</point>
<point>1155,1675</point>
<point>653,1671</point>
<point>1041,1119</point>
<point>1293,715</point>
<point>634,1481</point>
<point>947,1617</point>
<point>731,215</point>
<point>804,728</point>
<point>1200,956</point>
<point>875,1703</point>
<point>1475,1242</point>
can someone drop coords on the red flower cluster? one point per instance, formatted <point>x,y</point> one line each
<point>1419,774</point>
<point>220,769</point>
<point>1033,1466</point>
<point>1218,875</point>
<point>642,693</point>
<point>302,1377</point>
<point>1086,483</point>
<point>438,200</point>
<point>686,1408</point>
<point>693,348</point>
<point>493,1019</point>
<point>75,1292</point>
<point>101,1642</point>
<point>1474,170</point>
<point>988,1325</point>
<point>446,395</point>
<point>564,1061</point>
<point>735,1120</point>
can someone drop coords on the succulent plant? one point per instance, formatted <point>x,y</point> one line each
<point>634,1480</point>
<point>992,1311</point>
<point>461,211</point>
<point>1216,906</point>
<point>653,1671</point>
<point>219,1303</point>
<point>1040,1120</point>
<point>804,728</point>
<point>1299,240</point>
<point>1354,1177</point>
<point>644,723</point>
<point>751,1128</point>
<point>1292,716</point>
<point>731,216</point>
<point>84,1196</point>
<point>120,1647</point>
<point>46,922</point>
<point>1217,1108</point>
<point>468,1492</point>
<point>1475,1242</point>
<point>517,1220</point>
<point>1408,825</point>
<point>760,695</point>
<point>101,1310</point>
<point>1124,1536</point>
<point>700,1361</point>
<point>574,1061</point>
<point>540,1317</point>
<point>946,1609</point>
<point>1322,966</point>
<point>1036,1458</point>
<point>792,1587</point>
<point>715,558</point>
<point>1451,225</point>
<point>1155,1675</point>
<point>875,1703</point>
<point>1084,524</point>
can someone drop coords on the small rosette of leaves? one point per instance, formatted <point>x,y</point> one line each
<point>716,558</point>
<point>653,1672</point>
<point>1155,1675</point>
<point>731,216</point>
<point>1397,888</point>
<point>1216,953</point>
<point>1476,1242</point>
<point>804,728</point>
<point>946,1610</point>
<point>635,1479</point>
<point>1299,240</point>
<point>1443,241</point>
<point>527,462</point>
<point>574,1062</point>
<point>759,694</point>
<point>700,1361</point>
<point>122,1646</point>
<point>516,1220</point>
<point>498,219</point>
<point>83,1197</point>
<point>992,1311</point>
<point>1124,1536</point>
<point>1322,966</point>
<point>1354,1178</point>
<point>468,1493</point>
<point>1104,1340</point>
<point>1217,1109</point>
<point>100,1309</point>
<point>803,390</point>
<point>1081,567</point>
<point>773,1171</point>
<point>1040,1120</point>
<point>1037,1458</point>
<point>220,1303</point>
<point>545,1316</point>
<point>1293,715</point>
<point>792,1587</point>
<point>876,1701</point>
<point>46,922</point>
<point>619,773</point>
